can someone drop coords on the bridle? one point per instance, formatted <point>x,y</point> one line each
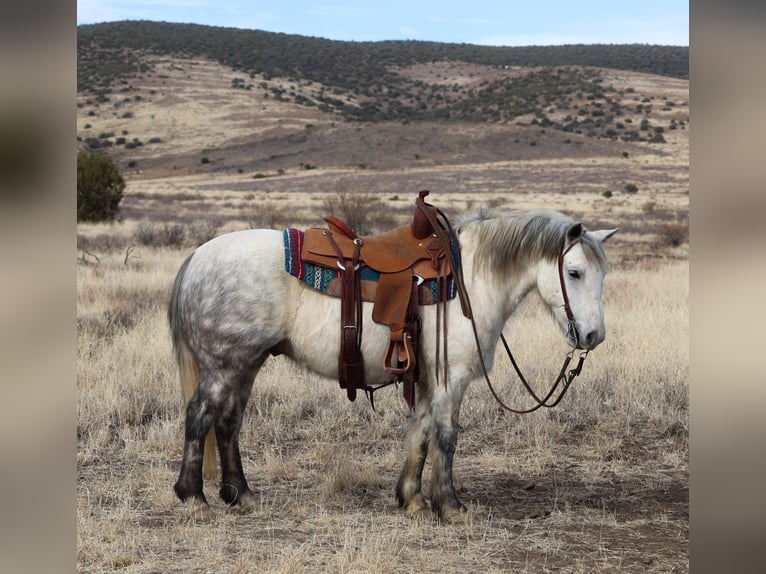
<point>571,327</point>
<point>443,230</point>
<point>564,376</point>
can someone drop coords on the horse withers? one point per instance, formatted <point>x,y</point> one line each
<point>232,305</point>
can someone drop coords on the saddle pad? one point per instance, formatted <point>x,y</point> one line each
<point>317,276</point>
<point>321,277</point>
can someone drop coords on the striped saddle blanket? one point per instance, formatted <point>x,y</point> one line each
<point>325,279</point>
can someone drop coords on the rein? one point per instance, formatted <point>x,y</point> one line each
<point>443,230</point>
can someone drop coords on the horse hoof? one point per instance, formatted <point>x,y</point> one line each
<point>417,506</point>
<point>450,515</point>
<point>198,511</point>
<point>246,503</point>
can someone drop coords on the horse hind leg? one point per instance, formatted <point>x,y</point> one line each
<point>234,489</point>
<point>213,391</point>
<point>200,415</point>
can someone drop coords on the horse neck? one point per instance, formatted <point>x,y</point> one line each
<point>495,297</point>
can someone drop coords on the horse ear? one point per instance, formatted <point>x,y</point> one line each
<point>604,234</point>
<point>574,232</point>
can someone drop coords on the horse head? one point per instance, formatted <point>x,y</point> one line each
<point>571,286</point>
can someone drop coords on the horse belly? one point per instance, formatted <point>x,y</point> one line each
<point>314,336</point>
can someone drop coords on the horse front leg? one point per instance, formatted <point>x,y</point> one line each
<point>444,500</point>
<point>409,488</point>
<point>442,446</point>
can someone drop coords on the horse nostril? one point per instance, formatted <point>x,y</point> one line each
<point>594,339</point>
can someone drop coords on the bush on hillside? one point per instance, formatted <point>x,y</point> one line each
<point>673,234</point>
<point>362,211</point>
<point>165,235</point>
<point>99,187</point>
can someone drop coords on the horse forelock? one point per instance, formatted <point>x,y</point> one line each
<point>506,241</point>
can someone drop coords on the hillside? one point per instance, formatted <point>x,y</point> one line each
<point>369,80</point>
<point>185,127</point>
<point>134,66</point>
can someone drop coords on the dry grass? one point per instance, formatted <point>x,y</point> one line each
<point>598,484</point>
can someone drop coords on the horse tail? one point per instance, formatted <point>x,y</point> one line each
<point>188,371</point>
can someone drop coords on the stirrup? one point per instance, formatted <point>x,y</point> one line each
<point>403,352</point>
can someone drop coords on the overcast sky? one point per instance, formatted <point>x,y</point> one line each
<point>487,22</point>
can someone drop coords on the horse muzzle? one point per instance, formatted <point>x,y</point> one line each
<point>584,340</point>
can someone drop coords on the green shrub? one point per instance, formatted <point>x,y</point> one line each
<point>99,187</point>
<point>630,188</point>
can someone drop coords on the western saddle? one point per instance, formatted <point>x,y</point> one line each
<point>389,270</point>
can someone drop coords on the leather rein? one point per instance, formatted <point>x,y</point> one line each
<point>443,230</point>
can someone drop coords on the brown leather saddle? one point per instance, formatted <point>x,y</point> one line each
<point>388,270</point>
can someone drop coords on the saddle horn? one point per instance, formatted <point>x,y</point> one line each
<point>421,227</point>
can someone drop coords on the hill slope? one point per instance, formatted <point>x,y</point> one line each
<point>206,88</point>
<point>369,77</point>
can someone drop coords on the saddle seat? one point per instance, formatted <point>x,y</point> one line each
<point>387,270</point>
<point>389,253</point>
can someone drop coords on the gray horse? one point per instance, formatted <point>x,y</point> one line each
<point>233,305</point>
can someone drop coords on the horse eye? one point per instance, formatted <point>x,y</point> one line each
<point>574,273</point>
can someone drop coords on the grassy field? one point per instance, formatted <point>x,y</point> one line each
<point>598,484</point>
